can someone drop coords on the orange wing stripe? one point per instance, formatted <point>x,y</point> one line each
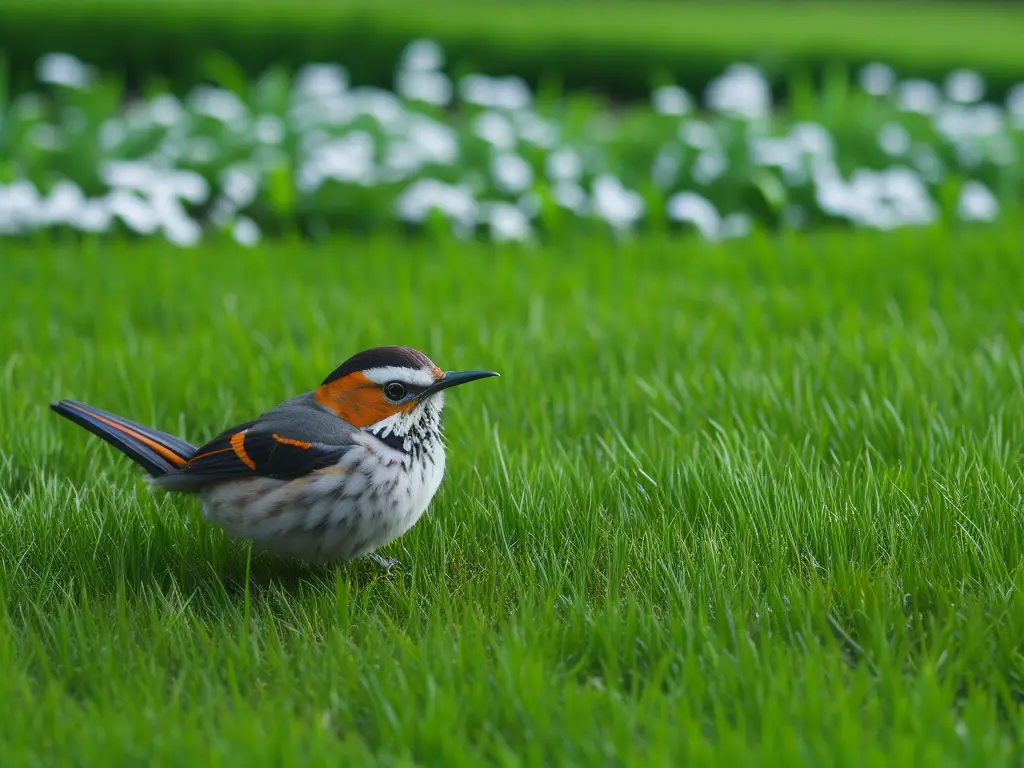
<point>296,443</point>
<point>209,453</point>
<point>167,453</point>
<point>238,445</point>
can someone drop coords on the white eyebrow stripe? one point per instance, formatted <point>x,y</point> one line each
<point>384,374</point>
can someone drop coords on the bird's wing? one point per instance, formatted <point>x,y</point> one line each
<point>294,439</point>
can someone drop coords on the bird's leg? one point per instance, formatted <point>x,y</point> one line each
<point>389,564</point>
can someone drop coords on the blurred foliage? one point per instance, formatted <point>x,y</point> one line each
<point>278,154</point>
<point>613,47</point>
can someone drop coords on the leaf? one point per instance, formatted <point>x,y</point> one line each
<point>271,91</point>
<point>226,72</point>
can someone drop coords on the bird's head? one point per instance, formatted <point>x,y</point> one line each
<point>391,391</point>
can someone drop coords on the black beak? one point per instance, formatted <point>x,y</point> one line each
<point>454,378</point>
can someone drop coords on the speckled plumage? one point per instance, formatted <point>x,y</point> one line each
<point>371,496</point>
<point>332,474</point>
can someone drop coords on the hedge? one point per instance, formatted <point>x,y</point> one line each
<point>613,47</point>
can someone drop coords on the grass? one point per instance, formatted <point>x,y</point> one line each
<point>741,503</point>
<point>613,46</point>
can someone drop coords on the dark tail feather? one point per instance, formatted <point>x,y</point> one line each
<point>156,452</point>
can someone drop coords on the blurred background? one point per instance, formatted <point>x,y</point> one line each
<point>193,120</point>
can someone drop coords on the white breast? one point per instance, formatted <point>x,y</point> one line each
<point>371,497</point>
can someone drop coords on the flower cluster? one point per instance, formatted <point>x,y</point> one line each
<point>482,155</point>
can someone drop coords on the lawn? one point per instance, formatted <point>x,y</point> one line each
<point>755,501</point>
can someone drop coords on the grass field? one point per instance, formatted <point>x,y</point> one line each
<point>753,502</point>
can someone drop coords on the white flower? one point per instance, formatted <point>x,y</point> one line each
<point>166,110</point>
<point>239,185</point>
<point>428,87</point>
<point>321,81</point>
<point>219,104</point>
<point>877,79</point>
<point>269,129</point>
<point>977,203</point>
<point>129,174</point>
<point>564,164</point>
<point>347,159</point>
<point>697,210</point>
<point>136,212</point>
<point>894,139</point>
<point>426,195</point>
<point>698,134</point>
<point>112,133</point>
<point>511,172</point>
<point>509,93</point>
<point>507,222</point>
<point>569,194</point>
<point>63,69</point>
<point>741,90</point>
<point>63,204</point>
<point>245,231</point>
<point>422,56</point>
<point>401,161</point>
<point>496,129</point>
<point>535,129</point>
<point>20,206</point>
<point>919,96</point>
<point>671,100</point>
<point>1015,105</point>
<point>965,86</point>
<point>812,138</point>
<point>383,106</point>
<point>879,199</point>
<point>666,165</point>
<point>434,142</point>
<point>93,216</point>
<point>709,166</point>
<point>617,205</point>
<point>735,225</point>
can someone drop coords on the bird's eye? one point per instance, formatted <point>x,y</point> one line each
<point>394,391</point>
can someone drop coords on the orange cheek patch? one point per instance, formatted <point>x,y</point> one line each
<point>358,400</point>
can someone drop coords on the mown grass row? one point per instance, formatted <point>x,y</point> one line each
<point>613,47</point>
<point>735,502</point>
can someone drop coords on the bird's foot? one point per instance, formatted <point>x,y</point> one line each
<point>385,562</point>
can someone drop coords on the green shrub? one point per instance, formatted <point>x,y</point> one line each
<point>279,154</point>
<point>614,47</point>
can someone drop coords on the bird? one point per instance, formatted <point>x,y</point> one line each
<point>332,474</point>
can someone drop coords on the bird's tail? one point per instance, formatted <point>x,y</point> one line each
<point>157,452</point>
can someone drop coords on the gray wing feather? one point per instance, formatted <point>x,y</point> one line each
<point>290,440</point>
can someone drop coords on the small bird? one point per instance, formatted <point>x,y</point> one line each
<point>330,475</point>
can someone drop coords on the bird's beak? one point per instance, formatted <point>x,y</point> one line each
<point>454,378</point>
